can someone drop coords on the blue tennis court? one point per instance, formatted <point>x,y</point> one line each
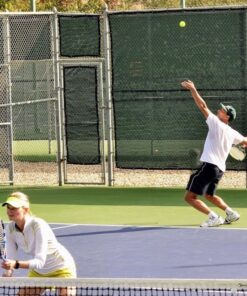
<point>155,252</point>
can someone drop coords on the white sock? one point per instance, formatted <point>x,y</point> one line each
<point>212,215</point>
<point>228,210</point>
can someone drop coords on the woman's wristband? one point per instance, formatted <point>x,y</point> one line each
<point>17,264</point>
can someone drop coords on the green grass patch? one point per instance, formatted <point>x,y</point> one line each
<point>35,151</point>
<point>36,158</point>
<point>125,206</point>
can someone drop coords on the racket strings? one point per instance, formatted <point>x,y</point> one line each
<point>238,152</point>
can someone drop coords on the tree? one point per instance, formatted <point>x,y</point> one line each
<point>44,5</point>
<point>95,6</point>
<point>92,6</point>
<point>15,5</point>
<point>67,5</point>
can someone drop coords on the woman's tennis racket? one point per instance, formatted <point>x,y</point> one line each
<point>238,152</point>
<point>2,242</point>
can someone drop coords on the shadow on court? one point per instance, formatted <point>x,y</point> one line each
<point>155,252</point>
<point>111,231</point>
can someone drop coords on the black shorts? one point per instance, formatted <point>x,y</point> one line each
<point>205,179</point>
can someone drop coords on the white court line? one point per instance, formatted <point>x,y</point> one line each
<point>62,227</point>
<point>68,225</point>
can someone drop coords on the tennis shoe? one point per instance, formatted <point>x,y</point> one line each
<point>232,217</point>
<point>213,222</point>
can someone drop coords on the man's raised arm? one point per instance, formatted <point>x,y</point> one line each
<point>201,104</point>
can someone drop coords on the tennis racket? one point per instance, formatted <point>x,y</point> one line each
<point>238,152</point>
<point>2,241</point>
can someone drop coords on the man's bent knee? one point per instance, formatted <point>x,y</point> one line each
<point>209,197</point>
<point>190,196</point>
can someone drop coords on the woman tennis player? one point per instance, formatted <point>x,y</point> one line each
<point>219,141</point>
<point>35,237</point>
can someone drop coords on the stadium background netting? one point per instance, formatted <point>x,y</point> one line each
<point>52,65</point>
<point>157,125</point>
<point>80,37</point>
<point>82,124</point>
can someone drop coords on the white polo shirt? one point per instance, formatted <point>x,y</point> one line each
<point>219,141</point>
<point>39,241</point>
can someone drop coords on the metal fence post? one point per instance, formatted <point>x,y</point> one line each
<point>10,119</point>
<point>58,104</point>
<point>101,100</point>
<point>33,5</point>
<point>108,79</point>
<point>182,4</point>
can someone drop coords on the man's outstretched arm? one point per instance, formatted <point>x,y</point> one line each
<point>201,104</point>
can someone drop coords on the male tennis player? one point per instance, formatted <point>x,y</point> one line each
<point>219,141</point>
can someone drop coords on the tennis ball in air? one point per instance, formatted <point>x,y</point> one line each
<point>182,24</point>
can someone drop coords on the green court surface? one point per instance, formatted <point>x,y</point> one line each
<point>121,206</point>
<point>35,150</point>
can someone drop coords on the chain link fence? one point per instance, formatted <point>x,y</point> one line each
<point>81,58</point>
<point>36,142</point>
<point>96,99</point>
<point>30,96</point>
<point>157,125</point>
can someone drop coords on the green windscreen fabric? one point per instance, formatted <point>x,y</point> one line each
<point>157,124</point>
<point>81,115</point>
<point>79,35</point>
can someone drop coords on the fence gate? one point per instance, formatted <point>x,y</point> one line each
<point>83,124</point>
